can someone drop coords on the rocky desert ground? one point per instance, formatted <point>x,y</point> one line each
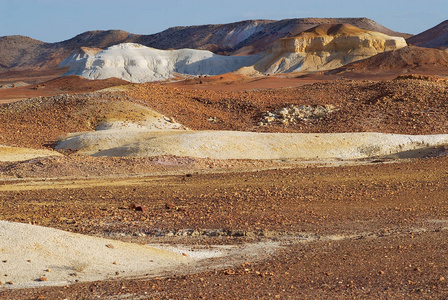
<point>268,182</point>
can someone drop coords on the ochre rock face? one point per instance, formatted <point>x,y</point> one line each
<point>325,47</point>
<point>364,43</point>
<point>339,38</point>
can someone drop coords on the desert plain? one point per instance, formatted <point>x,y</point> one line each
<point>265,182</point>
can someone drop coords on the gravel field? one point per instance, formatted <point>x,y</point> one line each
<point>369,229</point>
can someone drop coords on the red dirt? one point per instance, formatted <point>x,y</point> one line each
<point>231,82</point>
<point>409,105</point>
<point>49,84</point>
<point>406,60</point>
<point>389,220</point>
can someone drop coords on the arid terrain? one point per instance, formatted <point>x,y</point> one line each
<point>368,225</point>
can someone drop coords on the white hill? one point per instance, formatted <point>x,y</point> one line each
<point>137,63</point>
<point>144,141</point>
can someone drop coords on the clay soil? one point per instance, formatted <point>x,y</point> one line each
<point>375,230</point>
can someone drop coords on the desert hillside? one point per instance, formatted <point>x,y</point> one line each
<point>246,37</point>
<point>435,37</point>
<point>410,59</point>
<point>322,47</point>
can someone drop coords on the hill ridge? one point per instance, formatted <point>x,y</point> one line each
<point>243,37</point>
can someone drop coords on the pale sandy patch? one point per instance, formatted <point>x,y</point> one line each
<point>21,154</point>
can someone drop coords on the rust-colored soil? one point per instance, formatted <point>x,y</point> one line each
<point>406,105</point>
<point>373,231</point>
<point>406,60</point>
<point>230,82</point>
<point>411,105</point>
<point>50,84</point>
<point>381,229</point>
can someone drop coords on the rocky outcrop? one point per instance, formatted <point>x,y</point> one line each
<point>339,38</point>
<point>326,47</point>
<point>295,114</point>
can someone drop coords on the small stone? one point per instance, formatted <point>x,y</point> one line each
<point>9,282</point>
<point>29,260</point>
<point>140,208</point>
<point>442,278</point>
<point>110,246</point>
<point>47,270</point>
<point>229,272</point>
<point>170,206</point>
<point>381,272</point>
<point>114,263</point>
<point>43,278</point>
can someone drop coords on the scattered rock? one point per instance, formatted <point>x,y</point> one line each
<point>294,114</point>
<point>170,206</point>
<point>229,272</point>
<point>137,207</point>
<point>140,208</point>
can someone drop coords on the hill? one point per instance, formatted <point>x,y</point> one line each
<point>138,63</point>
<point>321,48</point>
<point>246,37</point>
<point>436,37</point>
<point>326,47</point>
<point>17,49</point>
<point>407,59</point>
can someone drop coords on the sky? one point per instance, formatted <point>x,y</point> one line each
<point>58,20</point>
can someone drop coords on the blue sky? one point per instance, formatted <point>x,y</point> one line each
<point>57,20</point>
